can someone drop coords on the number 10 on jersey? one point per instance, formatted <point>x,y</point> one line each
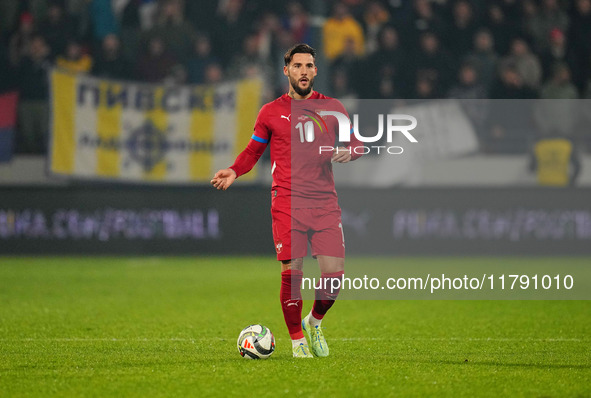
<point>306,131</point>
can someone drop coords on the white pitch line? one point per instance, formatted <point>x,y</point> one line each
<point>173,339</point>
<point>465,339</point>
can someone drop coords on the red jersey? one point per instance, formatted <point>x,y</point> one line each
<point>302,173</point>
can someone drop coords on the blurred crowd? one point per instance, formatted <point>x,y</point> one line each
<point>463,49</point>
<point>380,49</point>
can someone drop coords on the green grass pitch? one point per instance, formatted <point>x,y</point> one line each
<point>167,327</point>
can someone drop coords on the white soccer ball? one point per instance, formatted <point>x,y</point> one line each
<point>256,342</point>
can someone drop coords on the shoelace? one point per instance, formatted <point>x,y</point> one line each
<point>318,332</point>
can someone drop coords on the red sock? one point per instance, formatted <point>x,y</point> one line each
<point>326,295</point>
<point>291,302</point>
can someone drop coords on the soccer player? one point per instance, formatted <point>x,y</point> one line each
<point>304,205</point>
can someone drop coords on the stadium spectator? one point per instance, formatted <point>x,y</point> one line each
<point>39,8</point>
<point>525,62</point>
<point>423,19</point>
<point>269,27</point>
<point>131,27</point>
<point>214,73</point>
<point>34,96</point>
<point>484,57</point>
<point>103,20</point>
<point>469,85</point>
<point>511,85</point>
<point>389,68</point>
<point>230,28</point>
<point>201,58</point>
<point>79,12</point>
<point>559,53</point>
<point>510,121</point>
<point>502,29</point>
<point>21,39</point>
<point>74,59</point>
<point>110,62</point>
<point>356,7</point>
<point>117,6</point>
<point>579,37</point>
<point>470,92</point>
<point>560,86</point>
<point>459,38</point>
<point>178,75</point>
<point>201,14</point>
<point>512,9</point>
<point>349,61</point>
<point>156,63</point>
<point>375,18</point>
<point>433,64</point>
<point>339,28</point>
<point>426,87</point>
<point>6,69</point>
<point>57,29</point>
<point>9,10</point>
<point>529,10</point>
<point>77,8</point>
<point>554,113</point>
<point>340,86</point>
<point>171,26</point>
<point>149,13</point>
<point>296,21</point>
<point>249,61</point>
<point>549,17</point>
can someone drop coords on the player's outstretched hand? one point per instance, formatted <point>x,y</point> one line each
<point>341,155</point>
<point>223,179</point>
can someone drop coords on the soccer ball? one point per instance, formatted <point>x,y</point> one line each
<point>256,342</point>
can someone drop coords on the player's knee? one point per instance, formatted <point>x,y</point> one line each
<point>296,264</point>
<point>331,264</point>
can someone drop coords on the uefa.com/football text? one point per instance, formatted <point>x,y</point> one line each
<point>435,283</point>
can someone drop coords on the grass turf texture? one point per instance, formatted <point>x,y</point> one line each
<point>168,327</point>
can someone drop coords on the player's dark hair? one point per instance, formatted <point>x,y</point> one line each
<point>298,49</point>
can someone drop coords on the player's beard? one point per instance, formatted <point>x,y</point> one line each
<point>303,92</point>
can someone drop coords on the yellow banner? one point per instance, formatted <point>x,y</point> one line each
<point>135,132</point>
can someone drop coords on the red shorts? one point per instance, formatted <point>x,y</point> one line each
<point>294,228</point>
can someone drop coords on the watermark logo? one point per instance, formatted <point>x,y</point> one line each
<point>394,123</point>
